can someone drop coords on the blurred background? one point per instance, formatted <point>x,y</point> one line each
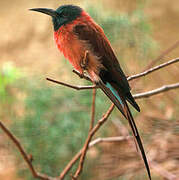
<point>52,121</point>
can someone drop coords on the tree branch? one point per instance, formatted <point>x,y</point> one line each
<point>72,86</point>
<point>84,76</point>
<point>156,91</point>
<point>109,140</point>
<point>153,69</point>
<point>25,155</point>
<point>93,110</point>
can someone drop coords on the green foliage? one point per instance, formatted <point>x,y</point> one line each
<point>8,76</point>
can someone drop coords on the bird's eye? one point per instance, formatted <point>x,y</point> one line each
<point>64,14</point>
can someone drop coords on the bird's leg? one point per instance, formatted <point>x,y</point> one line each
<point>84,61</point>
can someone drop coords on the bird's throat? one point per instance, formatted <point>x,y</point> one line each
<point>70,46</point>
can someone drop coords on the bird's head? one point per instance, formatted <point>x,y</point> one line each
<point>63,15</point>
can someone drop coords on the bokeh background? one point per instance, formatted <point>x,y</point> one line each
<point>52,121</point>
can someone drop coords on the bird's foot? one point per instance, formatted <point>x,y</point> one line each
<point>80,73</point>
<point>84,61</point>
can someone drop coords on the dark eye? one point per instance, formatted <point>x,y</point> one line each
<point>64,14</point>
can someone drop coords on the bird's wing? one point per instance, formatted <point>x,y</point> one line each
<point>114,83</point>
<point>95,37</point>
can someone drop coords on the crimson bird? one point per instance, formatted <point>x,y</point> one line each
<point>84,44</point>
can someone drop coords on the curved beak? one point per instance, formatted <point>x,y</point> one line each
<point>47,11</point>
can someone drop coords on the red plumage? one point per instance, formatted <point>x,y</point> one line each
<point>74,49</point>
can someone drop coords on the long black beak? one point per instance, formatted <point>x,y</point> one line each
<point>47,11</point>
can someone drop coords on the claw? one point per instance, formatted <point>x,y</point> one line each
<point>84,61</point>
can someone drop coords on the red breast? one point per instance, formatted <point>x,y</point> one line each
<point>74,49</point>
<point>69,44</point>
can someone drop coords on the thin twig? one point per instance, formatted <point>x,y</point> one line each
<point>93,110</point>
<point>82,158</point>
<point>156,91</point>
<point>25,155</point>
<point>72,86</point>
<point>84,76</point>
<point>69,165</point>
<point>153,69</point>
<point>109,140</point>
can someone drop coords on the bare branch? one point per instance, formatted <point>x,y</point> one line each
<point>109,140</point>
<point>156,91</point>
<point>25,155</point>
<point>84,76</point>
<point>72,86</point>
<point>93,110</point>
<point>153,69</point>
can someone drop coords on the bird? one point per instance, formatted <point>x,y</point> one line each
<point>84,43</point>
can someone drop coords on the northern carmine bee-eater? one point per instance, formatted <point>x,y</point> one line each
<point>84,44</point>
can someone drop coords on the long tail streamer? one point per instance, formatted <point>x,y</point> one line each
<point>121,104</point>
